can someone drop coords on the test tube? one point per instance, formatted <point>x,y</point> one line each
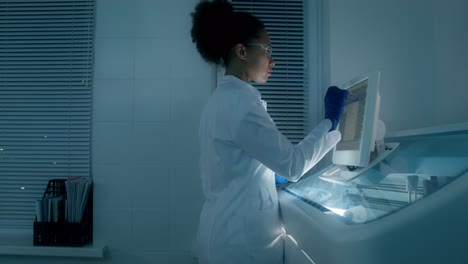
<point>412,187</point>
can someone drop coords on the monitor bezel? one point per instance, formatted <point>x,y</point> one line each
<point>361,157</point>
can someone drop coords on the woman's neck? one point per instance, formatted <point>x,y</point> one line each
<point>237,72</point>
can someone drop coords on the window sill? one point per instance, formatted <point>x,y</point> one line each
<point>22,245</point>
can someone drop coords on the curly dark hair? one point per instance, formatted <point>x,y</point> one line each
<point>216,28</point>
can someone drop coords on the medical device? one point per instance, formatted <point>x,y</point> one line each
<point>359,148</point>
<point>408,208</point>
<point>381,204</point>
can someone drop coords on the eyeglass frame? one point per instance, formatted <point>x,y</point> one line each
<point>267,48</point>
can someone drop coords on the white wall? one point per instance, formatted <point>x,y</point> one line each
<point>150,85</point>
<point>420,47</point>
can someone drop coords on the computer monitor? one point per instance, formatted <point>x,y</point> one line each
<point>358,125</point>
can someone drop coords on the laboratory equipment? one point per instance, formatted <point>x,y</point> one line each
<point>359,148</point>
<point>408,208</point>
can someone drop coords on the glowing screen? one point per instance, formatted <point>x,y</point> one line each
<point>353,118</point>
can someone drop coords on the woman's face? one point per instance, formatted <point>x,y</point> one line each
<point>259,64</point>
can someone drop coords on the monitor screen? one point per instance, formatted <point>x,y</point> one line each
<point>353,118</point>
<point>359,121</point>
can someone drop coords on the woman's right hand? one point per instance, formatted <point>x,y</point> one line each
<point>334,104</point>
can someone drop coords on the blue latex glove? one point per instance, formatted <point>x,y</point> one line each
<point>334,104</point>
<point>280,180</point>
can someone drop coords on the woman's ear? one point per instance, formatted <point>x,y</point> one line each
<point>241,51</point>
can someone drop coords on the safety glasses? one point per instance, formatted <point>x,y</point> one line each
<point>266,48</point>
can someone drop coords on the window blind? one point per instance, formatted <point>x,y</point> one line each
<point>285,90</point>
<point>46,66</point>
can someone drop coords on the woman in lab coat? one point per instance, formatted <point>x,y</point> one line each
<point>241,147</point>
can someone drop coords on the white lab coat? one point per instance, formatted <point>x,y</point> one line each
<point>241,148</point>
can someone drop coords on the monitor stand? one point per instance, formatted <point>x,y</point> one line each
<point>343,173</point>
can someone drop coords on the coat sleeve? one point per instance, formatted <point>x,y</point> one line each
<point>256,133</point>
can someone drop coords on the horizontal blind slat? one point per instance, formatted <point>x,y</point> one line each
<point>46,68</point>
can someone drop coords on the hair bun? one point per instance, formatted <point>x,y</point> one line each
<point>217,28</point>
<point>211,27</point>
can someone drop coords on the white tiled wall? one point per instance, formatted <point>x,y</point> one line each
<point>150,87</point>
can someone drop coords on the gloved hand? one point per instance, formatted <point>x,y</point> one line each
<point>280,180</point>
<point>334,104</point>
